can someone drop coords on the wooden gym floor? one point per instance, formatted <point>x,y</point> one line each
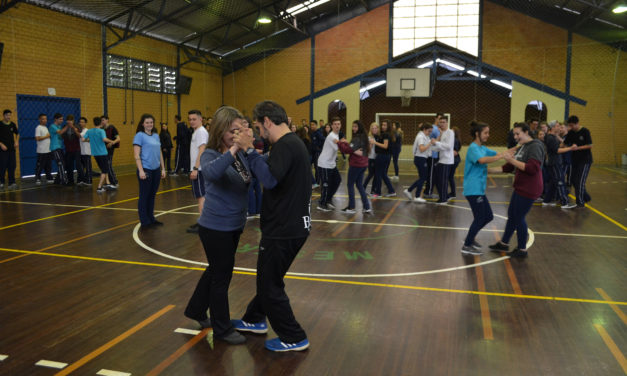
<point>84,293</point>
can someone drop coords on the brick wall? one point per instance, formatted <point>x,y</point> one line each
<point>283,77</point>
<point>351,48</point>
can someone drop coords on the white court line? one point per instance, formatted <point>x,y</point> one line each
<point>51,364</point>
<point>108,372</point>
<point>3,357</point>
<point>187,331</point>
<point>150,249</point>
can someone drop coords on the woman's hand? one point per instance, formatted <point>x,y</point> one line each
<point>142,175</point>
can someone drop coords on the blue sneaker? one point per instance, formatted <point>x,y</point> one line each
<point>243,326</point>
<point>277,345</point>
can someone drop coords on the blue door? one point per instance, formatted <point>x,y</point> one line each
<point>28,109</point>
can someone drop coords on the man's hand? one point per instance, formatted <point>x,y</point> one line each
<point>193,175</point>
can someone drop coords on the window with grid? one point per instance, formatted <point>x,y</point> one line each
<point>420,22</point>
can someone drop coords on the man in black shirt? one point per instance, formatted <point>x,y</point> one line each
<point>580,138</point>
<point>554,169</point>
<point>8,144</point>
<point>112,134</point>
<point>183,141</point>
<point>285,225</point>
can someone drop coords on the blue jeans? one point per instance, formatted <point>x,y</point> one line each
<point>423,171</point>
<point>381,164</point>
<point>370,173</point>
<point>355,177</point>
<point>147,192</point>
<point>482,213</point>
<point>518,208</point>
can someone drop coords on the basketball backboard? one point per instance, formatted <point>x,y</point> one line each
<point>415,80</point>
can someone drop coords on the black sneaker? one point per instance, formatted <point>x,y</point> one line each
<point>157,223</point>
<point>476,245</point>
<point>517,253</point>
<point>498,246</point>
<point>323,208</point>
<point>233,338</point>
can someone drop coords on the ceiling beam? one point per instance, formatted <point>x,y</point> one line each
<point>209,30</point>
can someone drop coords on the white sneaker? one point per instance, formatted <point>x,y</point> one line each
<point>393,194</point>
<point>407,194</point>
<point>420,199</point>
<point>368,211</point>
<point>548,204</point>
<point>568,206</point>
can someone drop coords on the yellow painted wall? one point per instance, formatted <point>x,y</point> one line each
<point>46,49</point>
<point>523,94</point>
<point>349,95</point>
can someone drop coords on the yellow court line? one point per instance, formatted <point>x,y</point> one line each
<point>618,355</point>
<point>338,281</point>
<point>12,258</point>
<point>82,210</point>
<point>79,363</point>
<point>603,215</point>
<point>618,311</point>
<point>87,236</point>
<point>483,303</point>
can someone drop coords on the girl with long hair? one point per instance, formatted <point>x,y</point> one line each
<point>358,150</point>
<point>149,160</point>
<point>526,162</point>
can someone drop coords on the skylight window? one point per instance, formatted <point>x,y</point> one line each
<point>419,22</point>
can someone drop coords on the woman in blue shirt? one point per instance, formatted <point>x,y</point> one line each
<point>475,179</point>
<point>148,158</point>
<point>227,178</point>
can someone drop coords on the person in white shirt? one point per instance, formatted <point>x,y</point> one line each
<point>445,147</point>
<point>85,153</point>
<point>422,151</point>
<point>44,158</point>
<point>327,168</point>
<point>200,137</point>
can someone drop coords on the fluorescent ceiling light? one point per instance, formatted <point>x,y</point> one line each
<point>473,73</point>
<point>427,64</point>
<point>502,84</point>
<point>620,8</point>
<point>567,9</point>
<point>304,6</point>
<point>264,20</point>
<point>609,23</point>
<point>450,64</point>
<point>372,86</point>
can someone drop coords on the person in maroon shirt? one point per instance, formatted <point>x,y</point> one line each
<point>71,140</point>
<point>528,186</point>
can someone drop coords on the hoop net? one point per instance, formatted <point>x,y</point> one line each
<point>405,98</point>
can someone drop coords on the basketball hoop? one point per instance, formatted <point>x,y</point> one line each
<point>405,98</point>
